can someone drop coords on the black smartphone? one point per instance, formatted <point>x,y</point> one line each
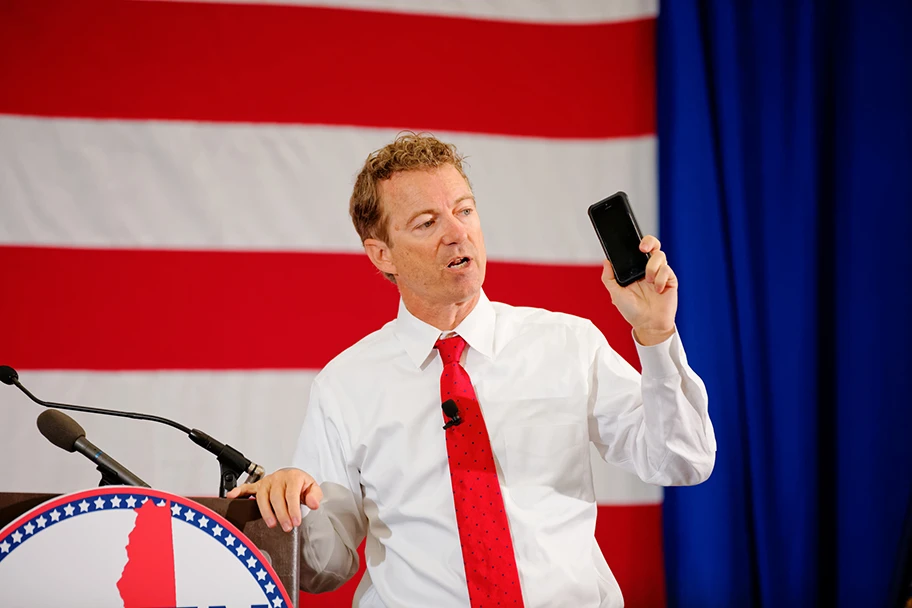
<point>620,235</point>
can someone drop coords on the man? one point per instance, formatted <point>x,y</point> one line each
<point>498,508</point>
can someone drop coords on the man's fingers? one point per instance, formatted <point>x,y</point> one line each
<point>293,498</point>
<point>607,272</point>
<point>262,499</point>
<point>277,498</point>
<point>313,495</point>
<point>608,279</point>
<point>245,489</point>
<point>649,244</point>
<point>665,278</point>
<point>655,263</point>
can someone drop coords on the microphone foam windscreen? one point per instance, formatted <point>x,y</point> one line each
<point>8,375</point>
<point>450,408</point>
<point>60,429</point>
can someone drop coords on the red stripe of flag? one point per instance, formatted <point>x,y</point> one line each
<point>293,64</point>
<point>103,309</point>
<point>630,537</point>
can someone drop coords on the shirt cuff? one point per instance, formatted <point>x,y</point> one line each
<point>660,360</point>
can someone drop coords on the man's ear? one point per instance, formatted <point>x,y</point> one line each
<point>379,254</point>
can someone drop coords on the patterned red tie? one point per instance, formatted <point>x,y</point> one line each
<point>487,547</point>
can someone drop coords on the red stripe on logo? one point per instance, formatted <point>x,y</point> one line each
<point>148,577</point>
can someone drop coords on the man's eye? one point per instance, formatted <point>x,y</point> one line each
<point>467,211</point>
<point>427,224</point>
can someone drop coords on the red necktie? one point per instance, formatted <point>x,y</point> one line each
<point>484,532</point>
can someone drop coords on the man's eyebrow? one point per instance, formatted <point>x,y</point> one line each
<point>434,211</point>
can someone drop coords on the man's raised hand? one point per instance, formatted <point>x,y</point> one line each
<point>650,304</point>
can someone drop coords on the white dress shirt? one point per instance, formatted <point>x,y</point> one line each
<point>547,384</point>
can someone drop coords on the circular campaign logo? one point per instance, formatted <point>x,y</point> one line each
<point>132,547</point>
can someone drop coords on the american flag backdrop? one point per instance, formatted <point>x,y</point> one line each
<point>174,230</point>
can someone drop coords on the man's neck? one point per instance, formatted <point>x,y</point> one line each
<point>445,317</point>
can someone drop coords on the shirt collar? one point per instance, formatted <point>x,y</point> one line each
<point>419,338</point>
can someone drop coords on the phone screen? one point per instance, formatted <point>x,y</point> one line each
<point>620,239</point>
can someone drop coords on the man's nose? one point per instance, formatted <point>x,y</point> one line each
<point>454,231</point>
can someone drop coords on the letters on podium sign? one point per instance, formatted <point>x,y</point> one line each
<point>131,547</point>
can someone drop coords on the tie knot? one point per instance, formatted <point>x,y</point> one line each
<point>451,349</point>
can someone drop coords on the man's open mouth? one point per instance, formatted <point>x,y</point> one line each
<point>458,263</point>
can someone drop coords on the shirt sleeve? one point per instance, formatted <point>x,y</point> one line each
<point>657,424</point>
<point>331,534</point>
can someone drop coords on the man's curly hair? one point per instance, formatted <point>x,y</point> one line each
<point>409,152</point>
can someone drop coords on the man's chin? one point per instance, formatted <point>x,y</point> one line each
<point>466,294</point>
<point>459,289</point>
<point>468,282</point>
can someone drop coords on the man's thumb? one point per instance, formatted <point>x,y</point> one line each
<point>608,278</point>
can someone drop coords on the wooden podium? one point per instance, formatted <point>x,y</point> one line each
<point>281,548</point>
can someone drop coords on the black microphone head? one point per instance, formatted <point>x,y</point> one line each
<point>8,375</point>
<point>450,409</point>
<point>60,429</point>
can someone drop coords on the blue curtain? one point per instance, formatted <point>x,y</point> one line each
<point>785,163</point>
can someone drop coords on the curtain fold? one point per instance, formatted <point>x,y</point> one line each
<point>785,172</point>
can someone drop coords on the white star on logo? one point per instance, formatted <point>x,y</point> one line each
<point>203,521</point>
<point>217,530</point>
<point>55,515</point>
<point>115,502</point>
<point>242,550</point>
<point>162,503</point>
<point>230,540</point>
<point>42,521</point>
<point>277,602</point>
<point>83,507</point>
<point>261,576</point>
<point>176,510</point>
<point>131,502</point>
<point>4,547</point>
<point>29,528</point>
<point>251,562</point>
<point>17,537</point>
<point>269,587</point>
<point>189,515</point>
<point>144,500</point>
<point>69,510</point>
<point>99,504</point>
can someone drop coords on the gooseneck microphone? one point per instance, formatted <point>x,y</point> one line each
<point>67,434</point>
<point>451,411</point>
<point>8,375</point>
<point>232,463</point>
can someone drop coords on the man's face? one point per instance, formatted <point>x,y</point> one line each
<point>436,248</point>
